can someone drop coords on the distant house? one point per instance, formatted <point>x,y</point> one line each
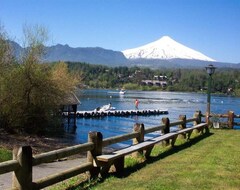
<point>160,78</point>
<point>163,84</point>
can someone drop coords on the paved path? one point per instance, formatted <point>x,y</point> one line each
<point>42,170</point>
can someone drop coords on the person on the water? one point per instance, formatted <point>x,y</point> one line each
<point>136,104</point>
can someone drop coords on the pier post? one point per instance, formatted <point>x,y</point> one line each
<point>230,119</point>
<point>75,114</point>
<point>22,178</point>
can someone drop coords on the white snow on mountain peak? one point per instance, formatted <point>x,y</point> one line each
<point>164,48</point>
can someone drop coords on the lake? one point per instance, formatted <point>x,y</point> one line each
<point>176,103</point>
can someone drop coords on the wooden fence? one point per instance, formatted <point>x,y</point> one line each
<point>24,161</point>
<point>230,119</point>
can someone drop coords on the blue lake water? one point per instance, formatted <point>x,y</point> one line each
<point>177,103</point>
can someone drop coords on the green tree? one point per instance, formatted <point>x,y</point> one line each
<point>32,91</point>
<point>6,63</point>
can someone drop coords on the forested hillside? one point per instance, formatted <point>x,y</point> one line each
<point>225,81</point>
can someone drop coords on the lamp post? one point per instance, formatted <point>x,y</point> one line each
<point>210,70</point>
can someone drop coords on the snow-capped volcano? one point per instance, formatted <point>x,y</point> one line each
<point>164,48</point>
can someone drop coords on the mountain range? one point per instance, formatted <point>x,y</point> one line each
<point>164,52</point>
<point>93,55</point>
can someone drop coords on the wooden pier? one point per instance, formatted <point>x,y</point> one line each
<point>146,112</point>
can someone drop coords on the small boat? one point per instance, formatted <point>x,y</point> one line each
<point>107,107</point>
<point>122,92</point>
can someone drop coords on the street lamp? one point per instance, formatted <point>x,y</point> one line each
<point>210,70</point>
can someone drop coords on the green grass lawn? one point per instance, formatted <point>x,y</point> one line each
<point>5,155</point>
<point>205,162</point>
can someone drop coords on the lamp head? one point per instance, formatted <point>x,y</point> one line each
<point>210,69</point>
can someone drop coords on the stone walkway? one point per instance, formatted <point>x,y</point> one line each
<point>43,170</point>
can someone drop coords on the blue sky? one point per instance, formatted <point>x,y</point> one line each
<point>209,26</point>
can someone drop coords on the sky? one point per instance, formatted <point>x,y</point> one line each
<point>211,27</point>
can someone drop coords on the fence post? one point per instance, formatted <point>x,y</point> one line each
<point>139,128</point>
<point>198,116</point>
<point>22,178</point>
<point>182,118</point>
<point>96,139</point>
<point>166,122</point>
<point>207,120</point>
<point>182,126</point>
<point>166,129</point>
<point>230,119</point>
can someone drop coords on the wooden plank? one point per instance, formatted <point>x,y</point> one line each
<point>61,153</point>
<point>153,129</point>
<point>191,120</point>
<point>200,126</point>
<point>191,128</point>
<point>164,137</point>
<point>55,178</point>
<point>119,138</point>
<point>137,147</point>
<point>176,123</point>
<point>145,144</point>
<point>9,166</point>
<point>184,130</point>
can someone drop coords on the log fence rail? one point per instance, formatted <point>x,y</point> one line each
<point>230,117</point>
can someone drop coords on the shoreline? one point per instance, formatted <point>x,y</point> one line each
<point>38,144</point>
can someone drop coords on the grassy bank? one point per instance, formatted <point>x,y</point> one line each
<point>5,154</point>
<point>206,162</point>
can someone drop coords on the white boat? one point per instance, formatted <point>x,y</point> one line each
<point>121,92</point>
<point>107,107</point>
